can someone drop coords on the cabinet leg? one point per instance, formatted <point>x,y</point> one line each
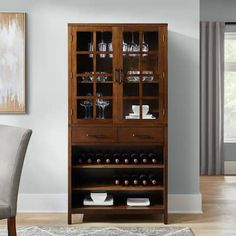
<point>69,218</point>
<point>165,218</point>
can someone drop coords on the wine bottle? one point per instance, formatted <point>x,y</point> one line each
<point>99,158</point>
<point>152,179</point>
<point>117,180</point>
<point>134,180</point>
<point>107,158</point>
<point>143,179</point>
<point>125,158</point>
<point>80,158</point>
<point>116,158</point>
<point>125,180</point>
<point>90,157</point>
<point>152,157</point>
<point>135,158</point>
<point>144,158</point>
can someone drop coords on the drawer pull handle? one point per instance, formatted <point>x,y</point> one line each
<point>96,136</point>
<point>142,136</point>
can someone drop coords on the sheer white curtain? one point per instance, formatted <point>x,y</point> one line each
<point>212,97</point>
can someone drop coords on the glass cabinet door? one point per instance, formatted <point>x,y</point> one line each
<point>140,90</point>
<point>93,67</point>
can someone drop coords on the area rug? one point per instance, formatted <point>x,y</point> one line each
<point>98,231</point>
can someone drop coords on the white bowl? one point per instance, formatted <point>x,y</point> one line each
<point>135,109</point>
<point>98,197</point>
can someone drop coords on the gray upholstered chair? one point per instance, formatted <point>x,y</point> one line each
<point>13,145</point>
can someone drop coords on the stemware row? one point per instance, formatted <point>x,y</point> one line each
<point>127,47</point>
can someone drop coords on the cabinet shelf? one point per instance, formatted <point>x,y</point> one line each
<point>94,52</point>
<point>118,188</point>
<point>123,209</point>
<point>115,166</point>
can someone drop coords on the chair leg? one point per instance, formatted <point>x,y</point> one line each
<point>11,225</point>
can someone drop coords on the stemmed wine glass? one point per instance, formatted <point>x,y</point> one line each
<point>87,104</point>
<point>133,47</point>
<point>145,47</point>
<point>102,104</point>
<point>102,46</point>
<point>125,47</point>
<point>90,46</point>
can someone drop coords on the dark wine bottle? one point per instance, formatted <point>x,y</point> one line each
<point>134,180</point>
<point>117,158</point>
<point>152,179</point>
<point>125,158</point>
<point>107,158</point>
<point>90,158</point>
<point>116,180</point>
<point>135,158</point>
<point>143,179</point>
<point>152,157</point>
<point>144,158</point>
<point>99,158</point>
<point>125,180</point>
<point>81,158</point>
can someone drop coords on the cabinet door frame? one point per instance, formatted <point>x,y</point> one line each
<point>162,34</point>
<point>72,72</point>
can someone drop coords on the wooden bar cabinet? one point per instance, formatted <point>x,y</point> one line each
<point>117,108</point>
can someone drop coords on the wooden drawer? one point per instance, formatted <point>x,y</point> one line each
<point>93,135</point>
<point>141,135</point>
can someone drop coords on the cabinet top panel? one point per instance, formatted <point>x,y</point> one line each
<point>117,24</point>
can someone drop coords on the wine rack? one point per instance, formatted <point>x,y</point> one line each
<point>118,117</point>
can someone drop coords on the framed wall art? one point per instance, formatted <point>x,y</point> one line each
<point>12,62</point>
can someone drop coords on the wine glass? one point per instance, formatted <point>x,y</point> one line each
<point>110,49</point>
<point>97,104</point>
<point>103,104</point>
<point>102,46</point>
<point>145,47</point>
<point>125,47</point>
<point>87,104</point>
<point>133,47</point>
<point>90,46</point>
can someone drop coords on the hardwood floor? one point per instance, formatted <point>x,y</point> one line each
<point>218,218</point>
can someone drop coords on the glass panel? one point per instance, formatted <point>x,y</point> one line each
<point>105,89</point>
<point>150,41</point>
<point>149,64</point>
<point>104,64</point>
<point>150,109</point>
<point>150,89</point>
<point>85,89</point>
<point>84,41</point>
<point>130,89</point>
<point>131,44</point>
<point>85,108</point>
<point>131,109</point>
<point>84,64</point>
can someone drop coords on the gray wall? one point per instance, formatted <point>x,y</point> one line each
<point>46,164</point>
<point>218,10</point>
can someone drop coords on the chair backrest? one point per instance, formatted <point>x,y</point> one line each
<point>13,145</point>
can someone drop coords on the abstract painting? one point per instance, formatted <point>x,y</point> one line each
<point>12,62</point>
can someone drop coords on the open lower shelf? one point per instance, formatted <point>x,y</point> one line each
<point>119,208</point>
<point>115,166</point>
<point>118,188</point>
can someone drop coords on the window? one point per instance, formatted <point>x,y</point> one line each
<point>230,88</point>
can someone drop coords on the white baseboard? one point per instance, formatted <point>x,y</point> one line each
<point>46,203</point>
<point>230,167</point>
